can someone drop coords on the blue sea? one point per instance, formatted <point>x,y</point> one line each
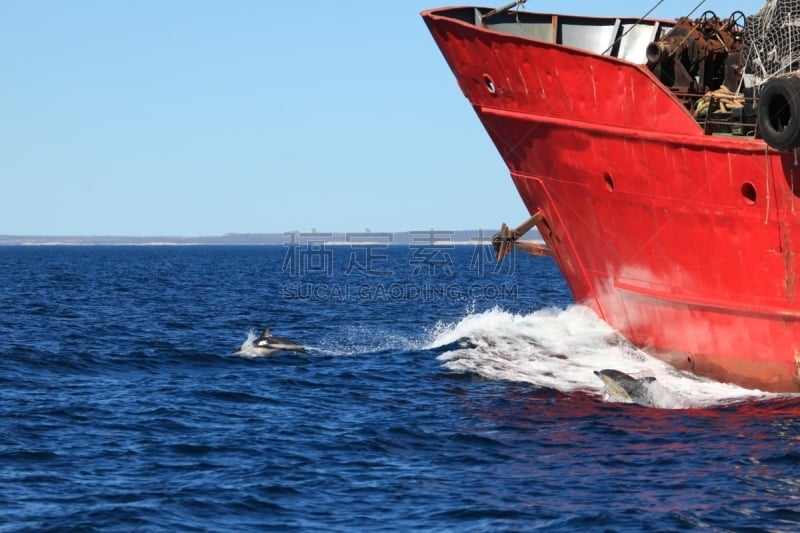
<point>440,391</point>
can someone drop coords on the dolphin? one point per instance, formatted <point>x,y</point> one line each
<point>266,344</point>
<point>627,388</point>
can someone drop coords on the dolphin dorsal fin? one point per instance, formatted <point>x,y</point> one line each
<point>266,332</point>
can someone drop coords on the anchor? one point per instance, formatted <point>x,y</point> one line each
<point>506,240</point>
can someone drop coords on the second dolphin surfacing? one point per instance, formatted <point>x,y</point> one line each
<point>626,388</point>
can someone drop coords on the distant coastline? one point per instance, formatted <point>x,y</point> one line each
<point>429,237</point>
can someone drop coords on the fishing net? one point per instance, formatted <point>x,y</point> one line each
<point>772,39</point>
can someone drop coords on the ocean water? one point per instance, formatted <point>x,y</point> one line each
<point>439,392</point>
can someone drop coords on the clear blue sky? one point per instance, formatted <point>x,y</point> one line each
<point>191,117</point>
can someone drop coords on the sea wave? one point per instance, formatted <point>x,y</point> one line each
<point>561,348</point>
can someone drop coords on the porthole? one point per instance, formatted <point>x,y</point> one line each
<point>609,182</point>
<point>748,193</point>
<point>489,84</point>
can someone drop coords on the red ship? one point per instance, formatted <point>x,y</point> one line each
<point>658,160</point>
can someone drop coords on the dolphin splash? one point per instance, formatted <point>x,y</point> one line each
<point>267,344</point>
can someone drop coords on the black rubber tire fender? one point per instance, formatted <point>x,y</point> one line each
<point>779,113</point>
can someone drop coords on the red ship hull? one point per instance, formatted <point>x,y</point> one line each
<point>683,242</point>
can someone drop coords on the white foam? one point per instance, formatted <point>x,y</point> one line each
<point>247,349</point>
<point>364,339</point>
<point>561,349</point>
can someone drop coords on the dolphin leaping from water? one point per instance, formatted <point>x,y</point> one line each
<point>266,344</point>
<point>627,388</point>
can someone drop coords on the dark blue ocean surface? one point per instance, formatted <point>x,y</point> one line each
<point>440,391</point>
